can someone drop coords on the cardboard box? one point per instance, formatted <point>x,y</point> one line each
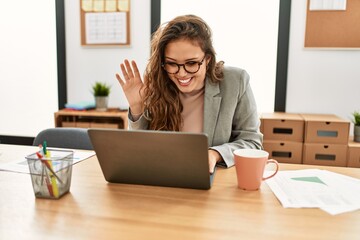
<point>353,154</point>
<point>325,154</point>
<point>326,128</point>
<point>283,126</point>
<point>284,152</point>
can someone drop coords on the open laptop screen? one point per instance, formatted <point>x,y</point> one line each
<point>172,159</point>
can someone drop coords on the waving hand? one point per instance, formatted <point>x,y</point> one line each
<point>131,84</point>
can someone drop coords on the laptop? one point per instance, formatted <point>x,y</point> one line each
<point>158,158</point>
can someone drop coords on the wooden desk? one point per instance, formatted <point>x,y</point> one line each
<point>95,209</point>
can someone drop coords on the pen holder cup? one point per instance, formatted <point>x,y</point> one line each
<point>51,174</point>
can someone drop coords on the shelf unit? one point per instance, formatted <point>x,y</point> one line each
<point>112,118</point>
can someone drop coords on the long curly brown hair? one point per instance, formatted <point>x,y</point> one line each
<point>161,96</point>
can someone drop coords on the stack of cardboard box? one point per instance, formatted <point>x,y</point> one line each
<point>283,136</point>
<point>326,140</point>
<point>316,139</point>
<point>353,154</point>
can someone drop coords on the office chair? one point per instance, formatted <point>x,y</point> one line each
<point>73,138</point>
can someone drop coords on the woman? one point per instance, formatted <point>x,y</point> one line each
<point>185,89</point>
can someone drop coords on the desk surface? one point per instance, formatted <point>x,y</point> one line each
<point>95,209</point>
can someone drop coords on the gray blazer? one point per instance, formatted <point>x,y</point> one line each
<point>231,119</point>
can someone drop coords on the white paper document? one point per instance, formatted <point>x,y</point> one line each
<point>106,28</point>
<point>325,5</point>
<point>314,188</point>
<point>19,163</point>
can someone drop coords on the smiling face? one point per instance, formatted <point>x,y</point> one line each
<point>184,51</point>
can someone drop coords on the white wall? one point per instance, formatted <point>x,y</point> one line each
<point>28,67</point>
<point>85,65</point>
<point>244,35</point>
<point>242,46</point>
<point>320,81</point>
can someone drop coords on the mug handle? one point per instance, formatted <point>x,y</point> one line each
<point>277,168</point>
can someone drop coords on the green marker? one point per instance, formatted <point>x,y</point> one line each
<point>44,148</point>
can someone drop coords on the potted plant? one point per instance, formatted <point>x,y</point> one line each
<point>101,93</point>
<point>356,121</point>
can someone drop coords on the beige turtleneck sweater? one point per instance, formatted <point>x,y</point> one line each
<point>193,111</point>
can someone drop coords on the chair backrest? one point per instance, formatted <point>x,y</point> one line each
<point>74,138</point>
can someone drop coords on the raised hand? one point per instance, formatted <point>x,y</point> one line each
<point>131,84</point>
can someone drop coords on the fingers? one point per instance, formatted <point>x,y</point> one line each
<point>212,165</point>
<point>129,72</point>
<point>136,70</point>
<point>128,69</point>
<point>214,157</point>
<point>126,77</point>
<point>120,80</point>
<point>125,74</point>
<point>124,71</point>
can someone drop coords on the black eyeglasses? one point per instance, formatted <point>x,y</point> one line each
<point>189,67</point>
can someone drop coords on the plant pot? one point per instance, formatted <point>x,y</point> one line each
<point>101,103</point>
<point>356,133</point>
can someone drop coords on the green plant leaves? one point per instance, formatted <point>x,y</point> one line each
<point>101,89</point>
<point>356,119</point>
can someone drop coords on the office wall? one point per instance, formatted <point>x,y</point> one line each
<point>28,67</point>
<point>243,46</point>
<point>241,43</point>
<point>85,65</point>
<point>320,81</point>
